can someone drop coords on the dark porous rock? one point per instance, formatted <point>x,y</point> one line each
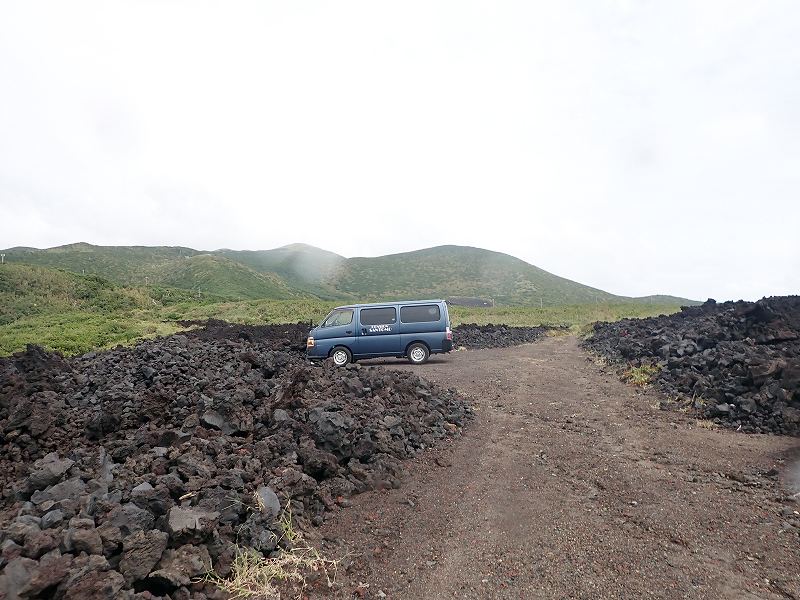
<point>735,362</point>
<point>52,518</point>
<point>318,463</point>
<point>47,471</point>
<point>82,536</point>
<point>191,524</point>
<point>27,578</point>
<point>476,337</point>
<point>96,585</point>
<point>129,518</point>
<point>268,501</point>
<point>178,567</point>
<point>71,488</point>
<point>141,551</point>
<point>130,473</point>
<point>40,542</point>
<point>256,533</point>
<point>16,576</point>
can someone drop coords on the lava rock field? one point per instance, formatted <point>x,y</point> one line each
<point>736,363</point>
<point>476,337</point>
<point>133,472</point>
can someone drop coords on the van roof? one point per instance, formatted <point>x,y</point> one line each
<point>392,303</point>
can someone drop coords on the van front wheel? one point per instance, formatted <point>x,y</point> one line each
<point>418,353</point>
<point>341,356</point>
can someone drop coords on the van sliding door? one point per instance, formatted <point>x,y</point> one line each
<point>378,331</point>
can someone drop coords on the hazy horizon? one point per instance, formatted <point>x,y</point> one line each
<point>631,146</point>
<point>202,250</point>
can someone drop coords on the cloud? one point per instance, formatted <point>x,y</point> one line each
<point>633,146</point>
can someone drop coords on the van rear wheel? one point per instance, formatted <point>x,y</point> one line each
<point>418,353</point>
<point>341,356</point>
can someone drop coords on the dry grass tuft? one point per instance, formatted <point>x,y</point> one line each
<point>641,376</point>
<point>254,576</point>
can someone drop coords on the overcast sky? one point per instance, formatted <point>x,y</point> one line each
<point>640,147</point>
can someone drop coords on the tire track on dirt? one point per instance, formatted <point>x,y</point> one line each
<point>571,484</point>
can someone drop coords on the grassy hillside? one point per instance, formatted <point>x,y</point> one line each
<point>77,313</point>
<point>171,267</point>
<point>300,270</point>
<point>460,271</point>
<point>222,277</point>
<point>27,290</point>
<point>128,265</point>
<point>303,267</point>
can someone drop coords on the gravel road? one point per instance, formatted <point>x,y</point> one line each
<point>571,484</point>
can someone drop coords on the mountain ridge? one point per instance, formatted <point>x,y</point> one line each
<point>302,270</point>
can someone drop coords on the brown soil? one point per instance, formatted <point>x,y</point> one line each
<point>571,484</point>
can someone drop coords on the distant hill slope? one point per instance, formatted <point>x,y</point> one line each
<point>300,270</point>
<point>460,271</point>
<point>178,267</point>
<point>303,267</point>
<point>129,265</point>
<point>27,290</point>
<point>221,276</point>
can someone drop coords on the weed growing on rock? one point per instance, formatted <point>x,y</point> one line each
<point>641,376</point>
<point>255,576</point>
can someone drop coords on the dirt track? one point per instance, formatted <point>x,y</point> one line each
<point>571,484</point>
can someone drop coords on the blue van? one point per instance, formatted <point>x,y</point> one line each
<point>413,329</point>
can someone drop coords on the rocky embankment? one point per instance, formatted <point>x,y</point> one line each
<point>132,473</point>
<point>475,337</point>
<point>737,363</point>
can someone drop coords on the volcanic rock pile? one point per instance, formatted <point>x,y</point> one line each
<point>738,362</point>
<point>476,337</point>
<point>132,473</point>
<point>290,336</point>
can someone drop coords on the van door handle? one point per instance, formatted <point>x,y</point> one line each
<point>348,332</point>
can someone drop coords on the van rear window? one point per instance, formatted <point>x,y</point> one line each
<point>423,313</point>
<point>378,316</point>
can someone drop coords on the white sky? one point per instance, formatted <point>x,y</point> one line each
<point>640,147</point>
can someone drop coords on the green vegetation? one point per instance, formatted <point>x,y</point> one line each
<point>253,576</point>
<point>303,267</point>
<point>72,312</point>
<point>221,277</point>
<point>641,376</point>
<point>299,270</point>
<point>461,271</point>
<point>76,332</point>
<point>577,317</point>
<point>76,313</point>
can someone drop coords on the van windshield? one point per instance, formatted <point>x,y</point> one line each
<point>340,316</point>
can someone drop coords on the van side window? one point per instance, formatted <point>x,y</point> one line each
<point>339,317</point>
<point>378,316</point>
<point>421,313</point>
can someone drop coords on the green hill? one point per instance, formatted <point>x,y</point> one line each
<point>128,265</point>
<point>301,266</point>
<point>299,270</point>
<point>27,290</point>
<point>223,277</point>
<point>162,266</point>
<point>446,271</point>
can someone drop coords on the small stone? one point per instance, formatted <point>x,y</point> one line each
<point>268,501</point>
<point>179,567</point>
<point>52,518</point>
<point>191,523</point>
<point>39,543</point>
<point>141,552</point>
